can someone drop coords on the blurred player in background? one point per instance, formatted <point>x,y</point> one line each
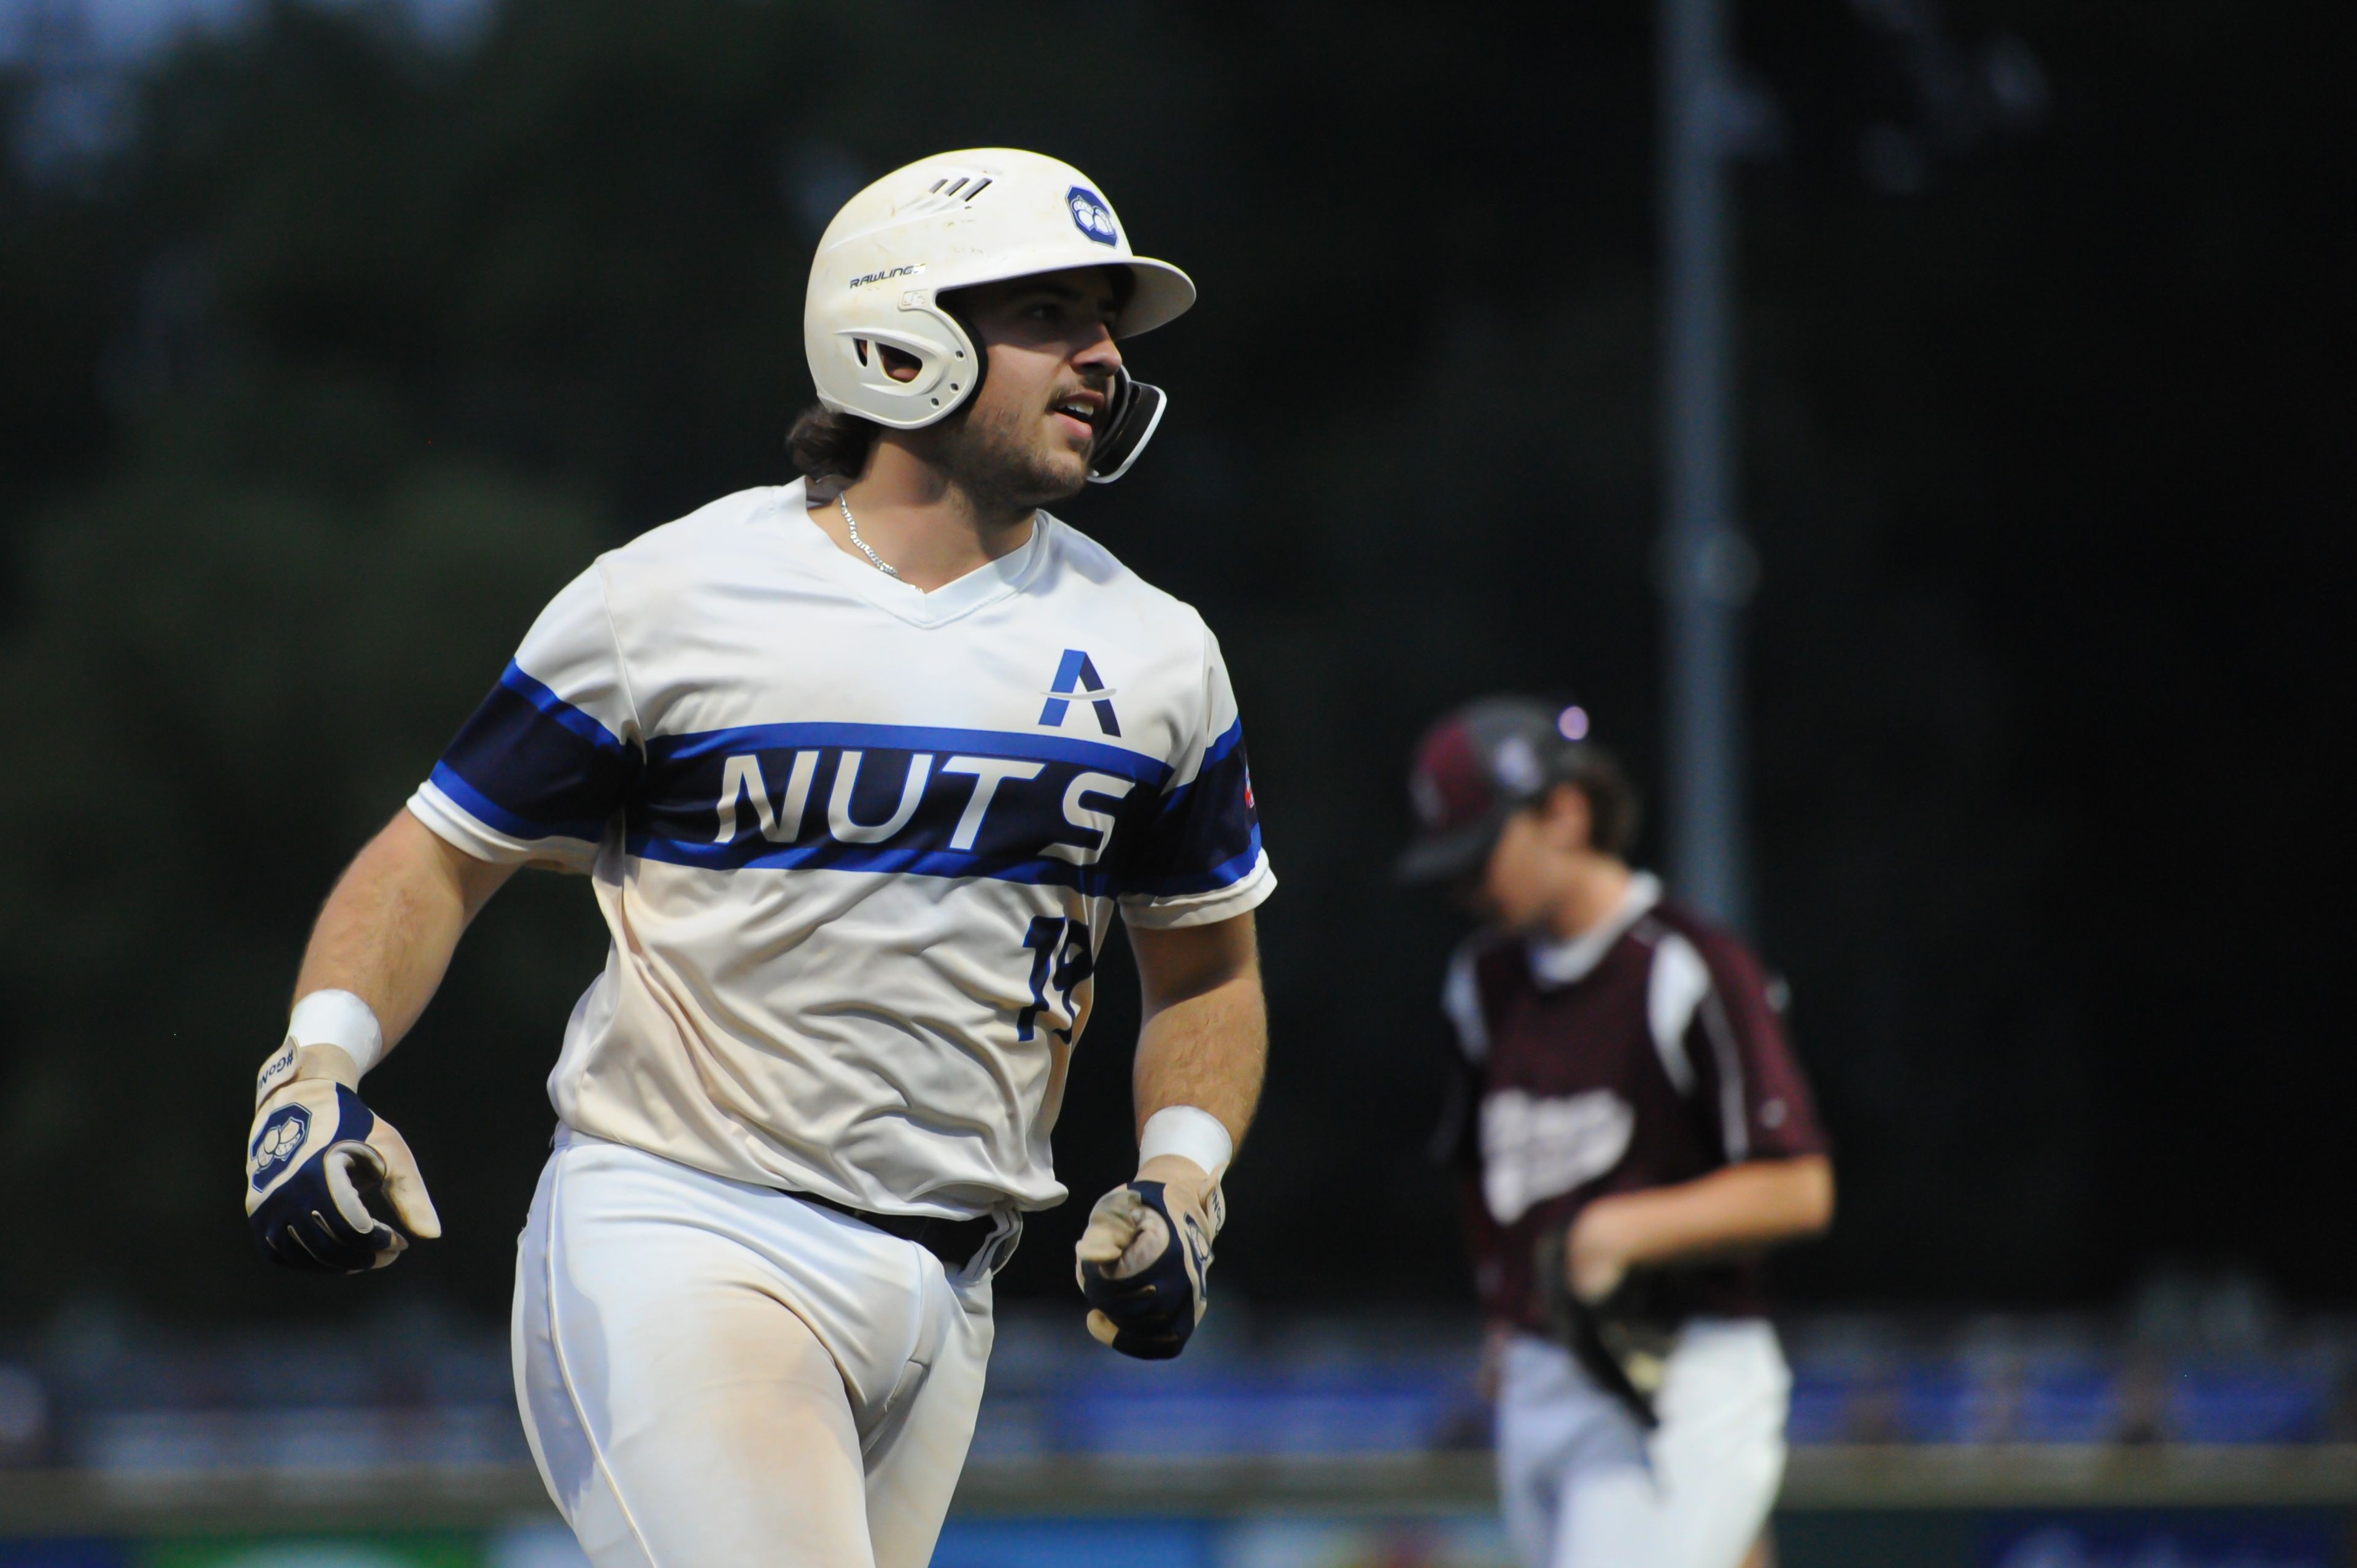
<point>1633,1133</point>
<point>860,769</point>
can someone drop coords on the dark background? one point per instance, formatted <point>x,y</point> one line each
<point>328,350</point>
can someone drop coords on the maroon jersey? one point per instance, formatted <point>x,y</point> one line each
<point>1642,1054</point>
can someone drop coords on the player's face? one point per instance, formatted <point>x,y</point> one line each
<point>1025,438</point>
<point>1538,855</point>
<point>1513,888</point>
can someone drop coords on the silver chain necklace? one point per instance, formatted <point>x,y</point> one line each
<point>852,523</point>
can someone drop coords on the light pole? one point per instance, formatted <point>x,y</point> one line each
<point>1708,568</point>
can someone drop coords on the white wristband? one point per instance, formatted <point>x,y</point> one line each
<point>339,1018</point>
<point>1189,1133</point>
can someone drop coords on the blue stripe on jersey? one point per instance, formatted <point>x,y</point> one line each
<point>1206,834</point>
<point>491,814</point>
<point>555,707</point>
<point>1226,873</point>
<point>1215,753</point>
<point>822,852</point>
<point>533,766</point>
<point>1078,814</point>
<point>1219,749</point>
<point>904,739</point>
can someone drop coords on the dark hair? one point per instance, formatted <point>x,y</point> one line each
<point>1612,805</point>
<point>825,445</point>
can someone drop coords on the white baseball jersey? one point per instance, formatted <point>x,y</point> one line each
<point>857,844</point>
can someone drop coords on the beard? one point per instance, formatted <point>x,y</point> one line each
<point>998,457</point>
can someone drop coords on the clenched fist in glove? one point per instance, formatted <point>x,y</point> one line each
<point>1143,1258</point>
<point>315,1155</point>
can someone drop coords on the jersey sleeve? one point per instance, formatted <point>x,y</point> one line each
<point>1199,858</point>
<point>1744,1065</point>
<point>542,766</point>
<point>1460,1001</point>
<point>1453,1143</point>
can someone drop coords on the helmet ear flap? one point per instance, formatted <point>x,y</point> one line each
<point>1132,415</point>
<point>948,368</point>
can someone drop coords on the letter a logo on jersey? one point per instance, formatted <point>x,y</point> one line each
<point>1077,679</point>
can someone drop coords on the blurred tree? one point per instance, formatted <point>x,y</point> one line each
<point>238,680</point>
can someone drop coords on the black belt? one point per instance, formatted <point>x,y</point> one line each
<point>953,1242</point>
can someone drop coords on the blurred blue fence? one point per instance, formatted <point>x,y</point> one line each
<point>102,1394</point>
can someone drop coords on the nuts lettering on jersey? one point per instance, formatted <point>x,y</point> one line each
<point>846,780</point>
<point>741,776</point>
<point>1000,805</point>
<point>989,773</point>
<point>1076,812</point>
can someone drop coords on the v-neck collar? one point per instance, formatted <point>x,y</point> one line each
<point>1568,963</point>
<point>986,584</point>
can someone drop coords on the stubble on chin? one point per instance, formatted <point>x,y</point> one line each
<point>1002,470</point>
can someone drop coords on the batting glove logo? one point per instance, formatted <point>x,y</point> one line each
<point>281,1137</point>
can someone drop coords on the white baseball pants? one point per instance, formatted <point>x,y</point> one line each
<point>1585,1487</point>
<point>716,1375</point>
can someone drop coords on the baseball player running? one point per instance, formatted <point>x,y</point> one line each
<point>859,769</point>
<point>1633,1131</point>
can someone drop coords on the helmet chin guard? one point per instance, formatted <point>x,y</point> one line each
<point>985,215</point>
<point>1130,415</point>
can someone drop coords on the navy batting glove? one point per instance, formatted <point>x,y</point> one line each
<point>315,1153</point>
<point>1144,1260</point>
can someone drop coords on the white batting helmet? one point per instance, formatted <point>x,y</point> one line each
<point>949,223</point>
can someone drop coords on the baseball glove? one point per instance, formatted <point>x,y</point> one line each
<point>1622,1343</point>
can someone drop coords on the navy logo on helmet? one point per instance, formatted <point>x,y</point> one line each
<point>279,1141</point>
<point>1091,216</point>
